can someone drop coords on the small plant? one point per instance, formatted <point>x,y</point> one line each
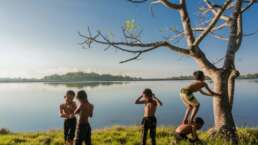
<point>4,131</point>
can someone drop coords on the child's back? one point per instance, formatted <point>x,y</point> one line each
<point>195,86</point>
<point>150,108</point>
<point>184,129</point>
<point>86,110</point>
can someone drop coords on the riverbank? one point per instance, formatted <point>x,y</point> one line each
<point>118,136</point>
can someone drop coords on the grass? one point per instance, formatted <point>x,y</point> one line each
<point>118,136</point>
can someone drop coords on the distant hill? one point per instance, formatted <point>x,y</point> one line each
<point>82,76</point>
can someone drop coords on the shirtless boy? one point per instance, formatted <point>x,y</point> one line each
<point>189,100</point>
<point>84,110</point>
<point>185,129</point>
<point>149,121</point>
<point>66,111</point>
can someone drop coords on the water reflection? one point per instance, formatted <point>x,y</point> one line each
<point>34,106</point>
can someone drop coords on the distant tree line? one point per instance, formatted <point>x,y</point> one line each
<point>249,76</point>
<point>82,76</point>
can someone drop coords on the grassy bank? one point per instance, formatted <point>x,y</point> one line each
<point>118,136</point>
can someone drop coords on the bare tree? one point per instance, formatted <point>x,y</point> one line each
<point>228,15</point>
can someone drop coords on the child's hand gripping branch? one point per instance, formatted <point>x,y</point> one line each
<point>210,92</point>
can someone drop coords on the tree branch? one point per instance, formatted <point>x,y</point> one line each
<point>166,3</point>
<point>211,24</point>
<point>186,22</point>
<point>213,8</point>
<point>231,86</point>
<point>170,4</point>
<point>235,38</point>
<point>99,38</point>
<point>251,3</point>
<point>137,1</point>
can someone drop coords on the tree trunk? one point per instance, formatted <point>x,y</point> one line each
<point>223,118</point>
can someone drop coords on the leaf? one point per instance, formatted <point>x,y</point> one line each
<point>173,29</point>
<point>130,25</point>
<point>202,9</point>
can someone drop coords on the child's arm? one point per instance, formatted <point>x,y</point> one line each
<point>205,93</point>
<point>157,100</point>
<point>78,109</point>
<point>74,108</point>
<point>139,100</point>
<point>91,111</point>
<point>61,113</point>
<point>210,91</point>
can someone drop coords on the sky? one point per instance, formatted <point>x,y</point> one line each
<point>40,37</point>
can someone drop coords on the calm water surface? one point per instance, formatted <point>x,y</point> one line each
<point>34,106</point>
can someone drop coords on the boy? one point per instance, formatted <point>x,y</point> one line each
<point>85,110</point>
<point>66,111</point>
<point>189,100</point>
<point>149,121</point>
<point>185,129</point>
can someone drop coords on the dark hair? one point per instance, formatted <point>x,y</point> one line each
<point>82,95</point>
<point>199,121</point>
<point>70,92</point>
<point>198,75</point>
<point>148,92</point>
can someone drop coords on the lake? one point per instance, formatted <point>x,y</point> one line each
<point>34,106</point>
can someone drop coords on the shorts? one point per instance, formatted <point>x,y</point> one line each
<point>69,128</point>
<point>188,98</point>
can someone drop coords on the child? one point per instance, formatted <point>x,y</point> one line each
<point>85,110</point>
<point>184,129</point>
<point>149,121</point>
<point>189,99</point>
<point>66,111</point>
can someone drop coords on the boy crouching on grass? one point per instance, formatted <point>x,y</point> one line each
<point>84,110</point>
<point>66,111</point>
<point>183,130</point>
<point>149,121</point>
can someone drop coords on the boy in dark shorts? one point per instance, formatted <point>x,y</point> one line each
<point>84,110</point>
<point>189,100</point>
<point>185,129</point>
<point>66,111</point>
<point>149,121</point>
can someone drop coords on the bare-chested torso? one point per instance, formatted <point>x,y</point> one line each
<point>68,109</point>
<point>195,86</point>
<point>86,111</point>
<point>150,108</point>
